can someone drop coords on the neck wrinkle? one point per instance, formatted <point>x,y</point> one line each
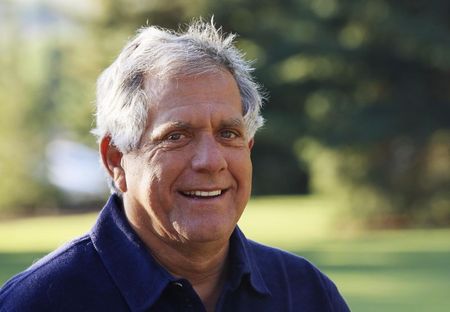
<point>194,264</point>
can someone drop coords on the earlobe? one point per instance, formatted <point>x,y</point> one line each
<point>112,160</point>
<point>251,143</point>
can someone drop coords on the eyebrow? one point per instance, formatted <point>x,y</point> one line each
<point>172,125</point>
<point>228,123</point>
<point>233,123</point>
<point>176,124</point>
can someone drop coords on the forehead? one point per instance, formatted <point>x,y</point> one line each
<point>193,97</point>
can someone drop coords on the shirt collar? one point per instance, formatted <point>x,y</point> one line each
<point>243,265</point>
<point>140,279</point>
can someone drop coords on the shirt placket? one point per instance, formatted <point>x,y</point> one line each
<point>187,297</point>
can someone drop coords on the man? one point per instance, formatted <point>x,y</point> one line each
<point>176,117</point>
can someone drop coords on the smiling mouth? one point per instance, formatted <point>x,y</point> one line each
<point>203,194</point>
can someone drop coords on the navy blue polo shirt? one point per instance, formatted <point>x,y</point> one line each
<point>110,269</point>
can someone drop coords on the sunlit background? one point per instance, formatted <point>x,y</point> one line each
<point>356,148</point>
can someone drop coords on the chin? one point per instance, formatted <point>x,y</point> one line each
<point>207,233</point>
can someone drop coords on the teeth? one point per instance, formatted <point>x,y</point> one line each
<point>203,193</point>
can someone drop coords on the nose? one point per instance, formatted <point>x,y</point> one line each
<point>208,155</point>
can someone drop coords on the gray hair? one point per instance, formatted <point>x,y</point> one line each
<point>160,54</point>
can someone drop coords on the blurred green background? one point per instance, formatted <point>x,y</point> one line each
<point>356,145</point>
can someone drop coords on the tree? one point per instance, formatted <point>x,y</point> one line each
<point>358,93</point>
<point>358,89</point>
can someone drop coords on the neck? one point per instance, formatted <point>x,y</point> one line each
<point>204,268</point>
<point>203,264</point>
<point>195,262</point>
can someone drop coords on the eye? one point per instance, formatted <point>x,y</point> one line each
<point>175,136</point>
<point>228,134</point>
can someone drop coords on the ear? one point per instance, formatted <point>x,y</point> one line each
<point>112,160</point>
<point>251,143</point>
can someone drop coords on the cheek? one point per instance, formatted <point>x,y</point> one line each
<point>140,174</point>
<point>240,166</point>
<point>164,169</point>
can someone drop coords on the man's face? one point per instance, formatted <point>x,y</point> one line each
<point>190,179</point>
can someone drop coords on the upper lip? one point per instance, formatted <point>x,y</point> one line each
<point>203,189</point>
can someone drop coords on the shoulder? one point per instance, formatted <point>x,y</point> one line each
<point>62,260</point>
<point>266,255</point>
<point>71,269</point>
<point>285,272</point>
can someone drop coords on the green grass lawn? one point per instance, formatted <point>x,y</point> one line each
<point>406,270</point>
